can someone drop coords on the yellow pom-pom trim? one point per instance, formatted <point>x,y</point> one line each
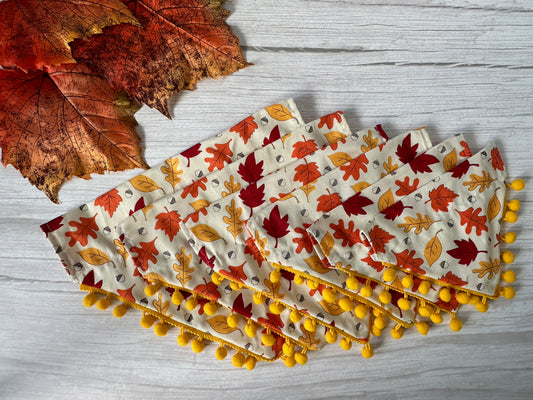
<point>90,300</point>
<point>361,311</point>
<point>397,332</point>
<point>455,324</point>
<point>268,339</point>
<point>346,344</point>
<point>238,360</point>
<point>259,298</point>
<point>509,237</point>
<point>424,287</point>
<point>290,362</point>
<point>183,339</point>
<point>147,321</point>
<point>310,324</point>
<point>120,310</point>
<point>103,304</point>
<point>509,276</point>
<point>436,318</point>
<point>311,284</point>
<point>217,279</point>
<point>329,295</point>
<point>367,351</point>
<point>177,297</point>
<point>474,300</point>
<point>507,257</point>
<point>518,185</point>
<point>404,304</point>
<point>232,321</point>
<point>510,217</point>
<point>211,308</point>
<point>463,298</point>
<point>234,285</point>
<point>250,329</point>
<point>221,352</point>
<point>376,331</point>
<point>385,297</point>
<point>151,290</point>
<point>508,292</point>
<point>276,308</point>
<point>514,205</point>
<point>299,279</point>
<point>295,316</point>
<point>389,275</point>
<point>422,327</point>
<point>407,281</point>
<point>380,322</point>
<point>198,345</point>
<point>191,303</point>
<point>346,304</point>
<point>424,311</point>
<point>366,291</point>
<point>160,328</point>
<point>275,276</point>
<point>300,358</point>
<point>445,295</point>
<point>352,283</point>
<point>288,349</point>
<point>250,363</point>
<point>331,336</point>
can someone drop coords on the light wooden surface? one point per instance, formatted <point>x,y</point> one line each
<point>449,65</point>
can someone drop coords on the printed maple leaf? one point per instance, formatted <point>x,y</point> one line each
<point>330,119</point>
<point>252,196</point>
<point>407,261</point>
<point>62,122</point>
<point>306,241</point>
<point>379,238</point>
<point>466,251</point>
<point>441,198</point>
<point>256,248</point>
<point>452,279</point>
<point>274,135</point>
<point>194,187</point>
<point>109,201</point>
<point>354,167</point>
<point>245,128</point>
<point>378,266</point>
<point>210,262</point>
<point>349,235</point>
<point>251,170</point>
<point>355,205</point>
<point>178,44</point>
<point>146,252</point>
<point>394,211</point>
<point>89,280</point>
<point>275,225</point>
<point>405,188</point>
<point>460,170</point>
<point>422,163</point>
<point>307,172</point>
<point>406,151</point>
<point>36,33</point>
<point>492,268</point>
<point>191,152</point>
<point>303,148</point>
<point>239,307</point>
<point>127,293</point>
<point>472,219</point>
<point>208,290</point>
<point>272,321</point>
<point>235,273</point>
<point>168,222</point>
<point>52,226</point>
<point>221,154</point>
<point>328,202</point>
<point>496,159</point>
<point>84,228</point>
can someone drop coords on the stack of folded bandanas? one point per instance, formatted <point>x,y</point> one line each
<point>277,237</point>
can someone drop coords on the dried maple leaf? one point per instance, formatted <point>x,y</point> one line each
<point>63,122</point>
<point>178,44</point>
<point>36,33</point>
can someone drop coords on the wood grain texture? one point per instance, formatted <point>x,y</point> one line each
<point>449,65</point>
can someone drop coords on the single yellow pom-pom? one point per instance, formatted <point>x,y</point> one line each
<point>160,328</point>
<point>346,344</point>
<point>151,290</point>
<point>352,283</point>
<point>250,329</point>
<point>380,322</point>
<point>422,327</point>
<point>507,257</point>
<point>120,310</point>
<point>509,276</point>
<point>211,308</point>
<point>474,300</point>
<point>367,352</point>
<point>183,339</point>
<point>232,321</point>
<point>509,237</point>
<point>455,324</point>
<point>407,281</point>
<point>276,308</point>
<point>147,321</point>
<point>221,353</point>
<point>295,316</point>
<point>177,297</point>
<point>90,300</point>
<point>389,275</point>
<point>424,287</point>
<point>462,297</point>
<point>331,336</point>
<point>300,358</point>
<point>514,205</point>
<point>259,298</point>
<point>518,184</point>
<point>238,360</point>
<point>385,297</point>
<point>397,332</point>
<point>510,217</point>
<point>366,291</point>
<point>250,363</point>
<point>445,295</point>
<point>361,311</point>
<point>376,331</point>
<point>311,284</point>
<point>436,318</point>
<point>288,349</point>
<point>290,362</point>
<point>198,345</point>
<point>404,304</point>
<point>235,285</point>
<point>424,311</point>
<point>268,339</point>
<point>310,324</point>
<point>217,279</point>
<point>508,292</point>
<point>299,279</point>
<point>103,304</point>
<point>191,303</point>
<point>329,295</point>
<point>346,304</point>
<point>275,276</point>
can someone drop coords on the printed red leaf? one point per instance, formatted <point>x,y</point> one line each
<point>235,273</point>
<point>354,167</point>
<point>88,280</point>
<point>191,152</point>
<point>289,276</point>
<point>404,188</point>
<point>208,290</point>
<point>422,163</point>
<point>379,238</point>
<point>380,130</point>
<point>355,204</point>
<point>452,279</point>
<point>221,154</point>
<point>451,305</point>
<point>245,128</point>
<point>109,201</point>
<point>328,202</point>
<point>210,262</point>
<point>240,308</point>
<point>251,170</point>
<point>168,222</point>
<point>303,148</point>
<point>466,251</point>
<point>330,119</point>
<point>407,261</point>
<point>466,150</point>
<point>52,225</point>
<point>378,266</point>
<point>349,235</point>
<point>146,252</point>
<point>275,225</point>
<point>394,211</point>
<point>306,241</point>
<point>441,198</point>
<point>194,187</point>
<point>406,151</point>
<point>252,249</point>
<point>277,347</point>
<point>84,228</point>
<point>496,159</point>
<point>274,135</point>
<point>460,170</point>
<point>472,219</point>
<point>139,205</point>
<point>306,172</point>
<point>127,294</point>
<point>272,321</point>
<point>252,196</point>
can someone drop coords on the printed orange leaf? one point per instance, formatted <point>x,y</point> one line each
<point>127,294</point>
<point>377,265</point>
<point>330,119</point>
<point>206,233</point>
<point>354,167</point>
<point>331,308</point>
<point>208,290</point>
<point>109,201</point>
<point>370,141</point>
<point>62,122</point>
<point>494,206</point>
<point>305,241</point>
<point>482,182</point>
<point>219,323</point>
<point>386,200</point>
<point>418,224</point>
<point>235,273</point>
<point>168,222</point>
<point>492,268</point>
<point>231,186</point>
<point>221,154</point>
<point>279,112</point>
<point>252,249</point>
<point>379,238</point>
<point>272,321</point>
<point>472,219</point>
<point>433,249</point>
<point>234,220</point>
<point>121,249</point>
<point>194,187</point>
<point>154,277</point>
<point>36,33</point>
<point>84,228</point>
<point>349,235</point>
<point>496,159</point>
<point>308,340</point>
<point>328,202</point>
<point>340,158</point>
<point>452,279</point>
<point>303,148</point>
<point>245,128</point>
<point>95,256</point>
<point>450,161</point>
<point>327,243</point>
<point>182,268</point>
<point>146,252</point>
<point>407,261</point>
<point>441,198</point>
<point>160,305</point>
<point>315,263</point>
<point>405,188</point>
<point>172,171</point>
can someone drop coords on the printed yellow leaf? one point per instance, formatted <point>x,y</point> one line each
<point>231,186</point>
<point>331,308</point>
<point>155,278</point>
<point>491,268</point>
<point>450,160</point>
<point>172,172</point>
<point>220,325</point>
<point>121,249</point>
<point>273,290</point>
<point>339,158</point>
<point>279,112</point>
<point>144,184</point>
<point>146,209</point>
<point>335,136</point>
<point>160,305</point>
<point>95,256</point>
<point>433,249</point>
<point>370,141</point>
<point>389,166</point>
<point>308,189</point>
<point>234,220</point>
<point>483,182</point>
<point>386,200</point>
<point>418,223</point>
<point>308,341</point>
<point>327,243</point>
<point>284,138</point>
<point>316,265</point>
<point>199,204</point>
<point>205,233</point>
<point>360,186</point>
<point>182,268</point>
<point>261,243</point>
<point>494,207</point>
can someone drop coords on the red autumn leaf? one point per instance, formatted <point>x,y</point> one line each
<point>194,187</point>
<point>472,219</point>
<point>252,249</point>
<point>85,228</point>
<point>422,163</point>
<point>191,152</point>
<point>288,276</point>
<point>354,167</point>
<point>178,44</point>
<point>109,201</point>
<point>221,154</point>
<point>394,211</point>
<point>330,119</point>
<point>306,173</point>
<point>355,205</point>
<point>139,205</point>
<point>252,196</point>
<point>406,151</point>
<point>404,188</point>
<point>208,290</point>
<point>461,169</point>
<point>450,306</point>
<point>452,279</point>
<point>407,261</point>
<point>146,252</point>
<point>272,321</point>
<point>349,235</point>
<point>277,347</point>
<point>496,159</point>
<point>306,241</point>
<point>88,280</point>
<point>240,308</point>
<point>441,198</point>
<point>245,128</point>
<point>210,262</point>
<point>395,296</point>
<point>235,273</point>
<point>251,170</point>
<point>52,225</point>
<point>275,225</point>
<point>328,202</point>
<point>466,251</point>
<point>274,135</point>
<point>378,266</point>
<point>380,130</point>
<point>127,294</point>
<point>379,238</point>
<point>62,122</point>
<point>303,148</point>
<point>466,150</point>
<point>36,33</point>
<point>201,303</point>
<point>168,222</point>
